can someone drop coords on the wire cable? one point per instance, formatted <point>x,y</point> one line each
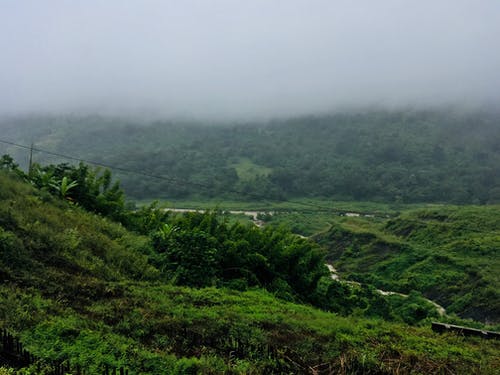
<point>174,180</point>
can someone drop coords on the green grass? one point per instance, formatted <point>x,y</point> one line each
<point>154,329</point>
<point>449,253</point>
<point>77,286</point>
<point>248,170</point>
<point>295,204</point>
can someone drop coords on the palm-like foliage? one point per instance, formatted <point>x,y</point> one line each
<point>42,179</point>
<point>90,188</point>
<point>64,186</point>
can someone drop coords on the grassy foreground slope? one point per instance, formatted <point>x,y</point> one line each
<point>450,254</point>
<point>77,286</point>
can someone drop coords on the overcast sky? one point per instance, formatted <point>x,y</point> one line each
<point>240,59</point>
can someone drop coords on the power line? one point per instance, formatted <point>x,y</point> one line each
<point>104,165</point>
<point>174,180</point>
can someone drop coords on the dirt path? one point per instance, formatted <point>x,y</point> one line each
<point>252,214</point>
<point>335,276</point>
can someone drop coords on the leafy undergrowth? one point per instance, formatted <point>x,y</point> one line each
<point>77,286</point>
<point>449,254</point>
<point>159,329</point>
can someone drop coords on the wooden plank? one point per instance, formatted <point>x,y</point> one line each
<point>465,331</point>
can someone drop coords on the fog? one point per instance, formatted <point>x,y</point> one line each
<point>245,59</point>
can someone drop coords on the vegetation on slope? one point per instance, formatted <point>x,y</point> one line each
<point>199,250</point>
<point>158,329</point>
<point>407,156</point>
<point>79,286</point>
<point>449,254</point>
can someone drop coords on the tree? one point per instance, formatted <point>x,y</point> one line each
<point>64,186</point>
<point>186,256</point>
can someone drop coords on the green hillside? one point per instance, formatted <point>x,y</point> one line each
<point>78,286</point>
<point>448,253</point>
<point>445,155</point>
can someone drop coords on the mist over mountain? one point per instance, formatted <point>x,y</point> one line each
<point>346,155</point>
<point>246,60</point>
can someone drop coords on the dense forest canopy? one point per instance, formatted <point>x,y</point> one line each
<point>400,156</point>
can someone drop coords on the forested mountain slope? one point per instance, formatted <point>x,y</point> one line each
<point>402,156</point>
<point>77,286</point>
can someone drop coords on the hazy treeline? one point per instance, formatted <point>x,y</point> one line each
<point>406,156</point>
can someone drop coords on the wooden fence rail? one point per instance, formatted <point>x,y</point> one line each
<point>466,331</point>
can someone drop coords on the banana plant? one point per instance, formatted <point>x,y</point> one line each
<point>42,179</point>
<point>166,231</point>
<point>64,186</point>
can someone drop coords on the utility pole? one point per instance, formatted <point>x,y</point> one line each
<point>31,160</point>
